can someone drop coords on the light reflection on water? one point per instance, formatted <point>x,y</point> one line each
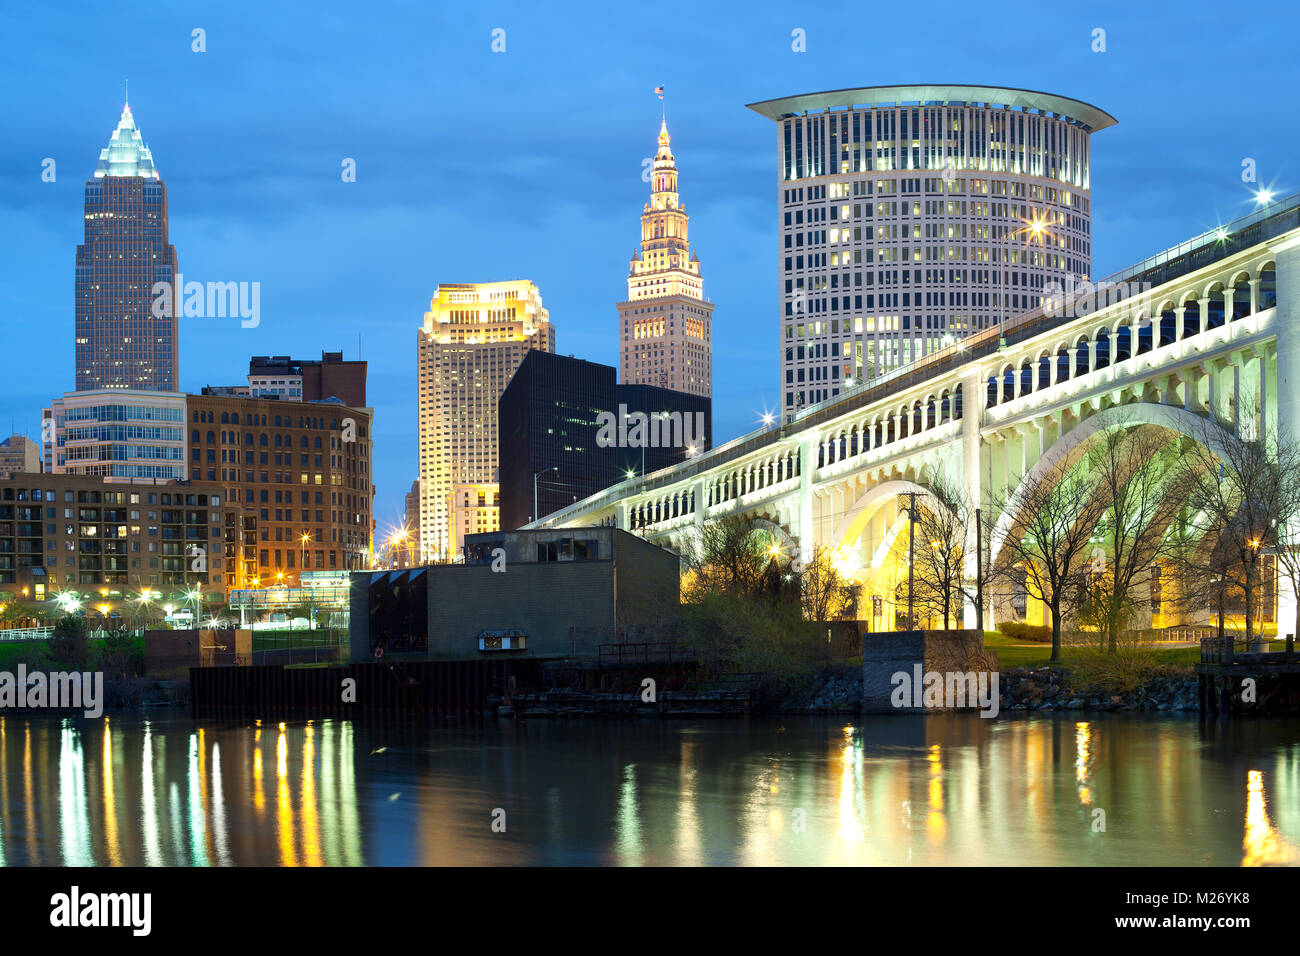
<point>939,790</point>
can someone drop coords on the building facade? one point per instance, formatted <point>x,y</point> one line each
<point>126,335</point>
<point>308,380</point>
<point>569,430</point>
<point>564,595</point>
<point>549,421</point>
<point>109,541</point>
<point>666,325</point>
<point>473,338</point>
<point>471,509</point>
<point>913,216</point>
<point>297,480</point>
<point>19,453</point>
<point>117,434</point>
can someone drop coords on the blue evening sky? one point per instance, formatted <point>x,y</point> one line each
<point>475,166</point>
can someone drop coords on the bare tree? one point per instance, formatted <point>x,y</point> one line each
<point>1132,467</point>
<point>733,555</point>
<point>1047,538</point>
<point>1239,490</point>
<point>825,593</point>
<point>943,523</point>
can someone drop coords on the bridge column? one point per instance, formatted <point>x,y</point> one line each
<point>1287,390</point>
<point>971,483</point>
<point>1236,398</point>
<point>1210,407</point>
<point>807,469</point>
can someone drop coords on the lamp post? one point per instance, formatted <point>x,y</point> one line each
<point>537,474</point>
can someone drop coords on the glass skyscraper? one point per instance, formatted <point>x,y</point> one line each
<point>126,334</point>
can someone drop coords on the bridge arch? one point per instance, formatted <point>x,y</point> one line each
<point>1074,442</point>
<point>849,528</point>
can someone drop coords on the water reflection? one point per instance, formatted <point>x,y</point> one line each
<point>949,790</point>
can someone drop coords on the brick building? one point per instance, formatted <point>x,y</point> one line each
<point>297,479</point>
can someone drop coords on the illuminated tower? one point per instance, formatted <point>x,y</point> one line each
<point>913,216</point>
<point>121,340</point>
<point>665,326</point>
<point>473,338</point>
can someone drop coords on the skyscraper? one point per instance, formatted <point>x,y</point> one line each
<point>913,215</point>
<point>666,326</point>
<point>120,340</point>
<point>473,338</point>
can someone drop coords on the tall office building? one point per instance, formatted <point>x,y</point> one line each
<point>913,215</point>
<point>553,452</point>
<point>473,338</point>
<point>122,340</point>
<point>666,326</point>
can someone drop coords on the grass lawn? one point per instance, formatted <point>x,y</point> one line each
<point>1013,653</point>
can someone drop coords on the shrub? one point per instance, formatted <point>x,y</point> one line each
<point>69,645</point>
<point>734,634</point>
<point>1020,631</point>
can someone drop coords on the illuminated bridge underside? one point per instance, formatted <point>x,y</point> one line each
<point>1212,332</point>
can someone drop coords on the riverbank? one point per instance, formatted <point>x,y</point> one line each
<point>837,689</point>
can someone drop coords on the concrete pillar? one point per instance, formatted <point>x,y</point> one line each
<point>807,469</point>
<point>971,480</point>
<point>1210,407</point>
<point>1287,391</point>
<point>1179,314</point>
<point>1236,400</point>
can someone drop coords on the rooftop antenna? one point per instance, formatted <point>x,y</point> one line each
<point>127,99</point>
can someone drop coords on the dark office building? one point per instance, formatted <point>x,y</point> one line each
<point>550,421</point>
<point>684,427</point>
<point>547,427</point>
<point>121,340</point>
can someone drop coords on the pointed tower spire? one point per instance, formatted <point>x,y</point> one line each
<point>126,153</point>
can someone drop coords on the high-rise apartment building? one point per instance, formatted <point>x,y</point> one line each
<point>122,339</point>
<point>109,541</point>
<point>913,215</point>
<point>473,338</point>
<point>666,326</point>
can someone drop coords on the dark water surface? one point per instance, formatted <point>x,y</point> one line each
<point>947,789</point>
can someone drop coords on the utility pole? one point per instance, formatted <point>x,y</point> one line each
<point>979,573</point>
<point>911,563</point>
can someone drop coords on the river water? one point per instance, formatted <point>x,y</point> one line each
<point>943,789</point>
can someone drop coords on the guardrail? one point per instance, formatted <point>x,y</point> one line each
<point>1213,648</point>
<point>27,634</point>
<point>614,655</point>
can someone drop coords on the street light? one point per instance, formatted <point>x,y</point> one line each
<point>305,537</point>
<point>1036,229</point>
<point>537,474</point>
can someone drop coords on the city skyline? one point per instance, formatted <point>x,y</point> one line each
<point>273,208</point>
